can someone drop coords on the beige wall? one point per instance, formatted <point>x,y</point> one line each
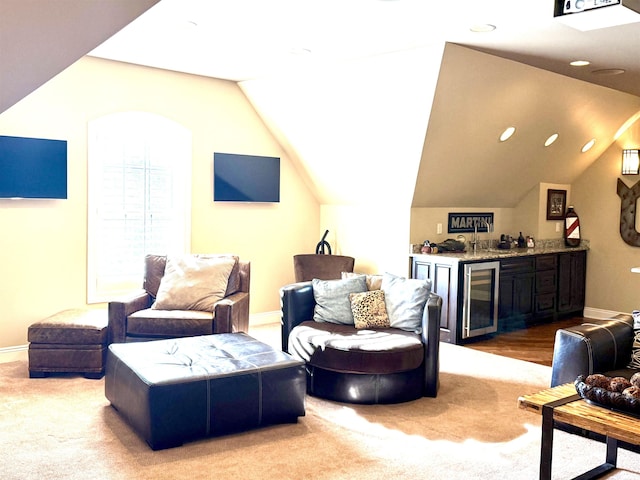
<point>528,217</point>
<point>610,284</point>
<point>424,223</point>
<point>43,243</point>
<point>377,237</point>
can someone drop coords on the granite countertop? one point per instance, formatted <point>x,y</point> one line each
<point>541,248</point>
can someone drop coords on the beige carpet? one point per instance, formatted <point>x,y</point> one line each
<point>64,428</point>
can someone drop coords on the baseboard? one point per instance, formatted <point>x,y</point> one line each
<point>599,314</point>
<point>12,354</point>
<point>264,318</point>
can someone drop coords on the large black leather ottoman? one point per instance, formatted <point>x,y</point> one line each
<point>172,391</point>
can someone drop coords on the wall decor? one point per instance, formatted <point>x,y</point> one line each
<point>556,204</point>
<point>468,222</point>
<point>629,199</point>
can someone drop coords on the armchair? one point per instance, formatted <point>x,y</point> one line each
<point>134,319</point>
<point>306,267</point>
<point>371,365</point>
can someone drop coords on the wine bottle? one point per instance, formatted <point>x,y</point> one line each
<point>571,228</point>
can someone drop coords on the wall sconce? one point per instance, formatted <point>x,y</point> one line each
<point>630,162</point>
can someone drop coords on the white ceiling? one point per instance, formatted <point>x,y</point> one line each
<point>248,39</point>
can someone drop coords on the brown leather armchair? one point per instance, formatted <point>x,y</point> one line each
<point>132,318</point>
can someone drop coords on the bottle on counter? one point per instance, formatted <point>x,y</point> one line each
<point>426,247</point>
<point>521,241</point>
<point>571,228</point>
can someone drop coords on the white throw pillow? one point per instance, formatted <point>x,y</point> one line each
<point>405,300</point>
<point>192,282</point>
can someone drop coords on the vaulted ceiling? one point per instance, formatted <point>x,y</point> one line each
<point>371,98</point>
<point>40,38</point>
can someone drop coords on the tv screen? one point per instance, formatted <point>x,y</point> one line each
<point>33,168</point>
<point>245,178</point>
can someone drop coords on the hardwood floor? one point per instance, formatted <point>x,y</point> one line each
<point>533,344</point>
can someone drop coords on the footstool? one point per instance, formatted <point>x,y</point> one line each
<point>176,390</point>
<point>70,341</point>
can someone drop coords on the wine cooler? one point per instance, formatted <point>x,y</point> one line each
<point>480,301</point>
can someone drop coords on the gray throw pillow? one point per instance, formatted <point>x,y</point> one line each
<point>405,300</point>
<point>332,299</point>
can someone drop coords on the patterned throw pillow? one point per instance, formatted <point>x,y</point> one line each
<point>635,348</point>
<point>635,351</point>
<point>369,310</point>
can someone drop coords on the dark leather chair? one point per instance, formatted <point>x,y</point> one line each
<point>396,366</point>
<point>596,346</point>
<point>133,319</point>
<point>306,267</point>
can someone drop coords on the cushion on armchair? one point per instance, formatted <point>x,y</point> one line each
<point>374,282</point>
<point>332,299</point>
<point>369,310</point>
<point>405,299</point>
<point>193,282</point>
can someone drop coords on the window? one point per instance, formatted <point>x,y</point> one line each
<point>139,171</point>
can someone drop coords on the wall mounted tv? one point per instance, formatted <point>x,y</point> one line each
<point>245,178</point>
<point>33,168</point>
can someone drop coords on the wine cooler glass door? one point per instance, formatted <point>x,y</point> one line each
<point>480,306</point>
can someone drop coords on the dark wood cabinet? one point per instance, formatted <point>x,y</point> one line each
<point>516,295</point>
<point>545,297</point>
<point>443,272</point>
<point>571,282</point>
<point>532,288</point>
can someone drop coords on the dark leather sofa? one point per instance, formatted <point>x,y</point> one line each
<point>395,366</point>
<point>596,346</point>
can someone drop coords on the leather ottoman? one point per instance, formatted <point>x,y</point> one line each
<point>70,341</point>
<point>176,390</point>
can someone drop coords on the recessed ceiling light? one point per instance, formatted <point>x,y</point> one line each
<point>580,63</point>
<point>482,28</point>
<point>506,135</point>
<point>588,145</point>
<point>609,71</point>
<point>551,139</point>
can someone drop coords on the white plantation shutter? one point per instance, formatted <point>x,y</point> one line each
<point>139,167</point>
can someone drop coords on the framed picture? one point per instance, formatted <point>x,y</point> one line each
<point>556,204</point>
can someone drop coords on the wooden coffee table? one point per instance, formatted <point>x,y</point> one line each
<point>563,404</point>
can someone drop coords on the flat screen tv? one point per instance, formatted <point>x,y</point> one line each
<point>245,178</point>
<point>33,168</point>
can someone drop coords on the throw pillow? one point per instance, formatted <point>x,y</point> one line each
<point>374,282</point>
<point>635,347</point>
<point>405,300</point>
<point>332,298</point>
<point>193,282</point>
<point>369,310</point>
